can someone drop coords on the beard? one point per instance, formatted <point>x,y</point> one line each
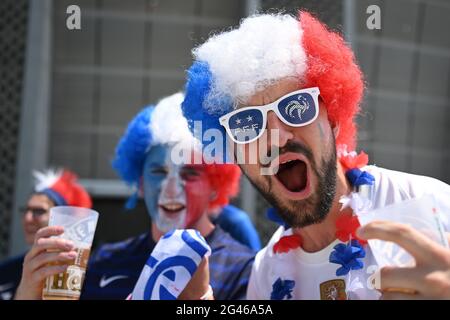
<point>314,209</point>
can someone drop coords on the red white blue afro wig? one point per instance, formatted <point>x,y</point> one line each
<point>164,124</point>
<point>232,66</point>
<point>61,187</point>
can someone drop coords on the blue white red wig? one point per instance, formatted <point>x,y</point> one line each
<point>61,187</point>
<point>231,67</point>
<point>164,124</point>
<point>160,124</point>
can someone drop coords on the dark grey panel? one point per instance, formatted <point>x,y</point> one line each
<point>361,17</point>
<point>73,47</point>
<point>328,11</point>
<point>170,47</point>
<point>229,9</point>
<point>433,77</point>
<point>390,117</point>
<point>367,55</point>
<point>395,69</point>
<point>185,7</point>
<point>13,36</point>
<point>72,101</point>
<point>72,149</point>
<point>104,155</point>
<point>164,87</point>
<point>120,99</point>
<point>122,43</point>
<point>429,164</point>
<point>436,26</point>
<point>391,158</point>
<point>430,126</point>
<point>399,19</point>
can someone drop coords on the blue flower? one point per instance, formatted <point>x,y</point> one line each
<point>348,256</point>
<point>358,177</point>
<point>282,289</point>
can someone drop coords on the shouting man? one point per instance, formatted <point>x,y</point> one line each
<point>292,78</point>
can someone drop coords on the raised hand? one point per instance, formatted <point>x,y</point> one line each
<point>37,263</point>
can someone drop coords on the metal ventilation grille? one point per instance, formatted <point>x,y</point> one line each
<point>13,23</point>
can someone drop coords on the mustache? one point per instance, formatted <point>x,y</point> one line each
<point>297,147</point>
<point>294,147</point>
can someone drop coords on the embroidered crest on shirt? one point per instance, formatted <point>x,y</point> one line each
<point>333,290</point>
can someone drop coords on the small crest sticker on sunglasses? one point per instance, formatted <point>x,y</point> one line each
<point>298,109</point>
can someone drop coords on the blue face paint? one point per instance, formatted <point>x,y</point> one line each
<point>164,189</point>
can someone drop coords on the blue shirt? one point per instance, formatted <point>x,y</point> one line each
<point>239,225</point>
<point>115,268</point>
<point>10,275</point>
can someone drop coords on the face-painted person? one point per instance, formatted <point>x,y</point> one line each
<point>52,188</point>
<point>178,194</point>
<point>292,84</point>
<point>184,198</point>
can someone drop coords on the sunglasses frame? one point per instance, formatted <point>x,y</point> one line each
<point>273,106</point>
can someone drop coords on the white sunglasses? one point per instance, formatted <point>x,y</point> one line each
<point>297,109</point>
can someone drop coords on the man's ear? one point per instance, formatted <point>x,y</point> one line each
<point>336,130</point>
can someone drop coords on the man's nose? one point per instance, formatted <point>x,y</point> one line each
<point>172,187</point>
<point>284,131</point>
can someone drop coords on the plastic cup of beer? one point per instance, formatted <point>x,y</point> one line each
<point>79,227</point>
<point>422,214</point>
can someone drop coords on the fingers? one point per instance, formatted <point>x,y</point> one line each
<point>45,258</point>
<point>400,296</point>
<point>47,232</point>
<point>200,279</point>
<point>41,274</point>
<point>203,267</point>
<point>397,279</point>
<point>44,244</point>
<point>418,245</point>
<point>199,283</point>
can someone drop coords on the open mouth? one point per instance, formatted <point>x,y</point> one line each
<point>172,208</point>
<point>292,175</point>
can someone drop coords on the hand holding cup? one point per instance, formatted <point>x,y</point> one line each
<point>48,256</point>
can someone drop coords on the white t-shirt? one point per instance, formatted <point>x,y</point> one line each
<point>313,275</point>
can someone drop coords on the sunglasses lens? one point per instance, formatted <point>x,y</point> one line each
<point>298,108</point>
<point>246,125</point>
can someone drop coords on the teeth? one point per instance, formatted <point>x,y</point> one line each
<point>173,206</point>
<point>287,161</point>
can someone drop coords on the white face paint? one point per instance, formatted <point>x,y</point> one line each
<point>172,199</point>
<point>165,194</point>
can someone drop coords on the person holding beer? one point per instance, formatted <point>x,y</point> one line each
<point>178,195</point>
<point>52,188</point>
